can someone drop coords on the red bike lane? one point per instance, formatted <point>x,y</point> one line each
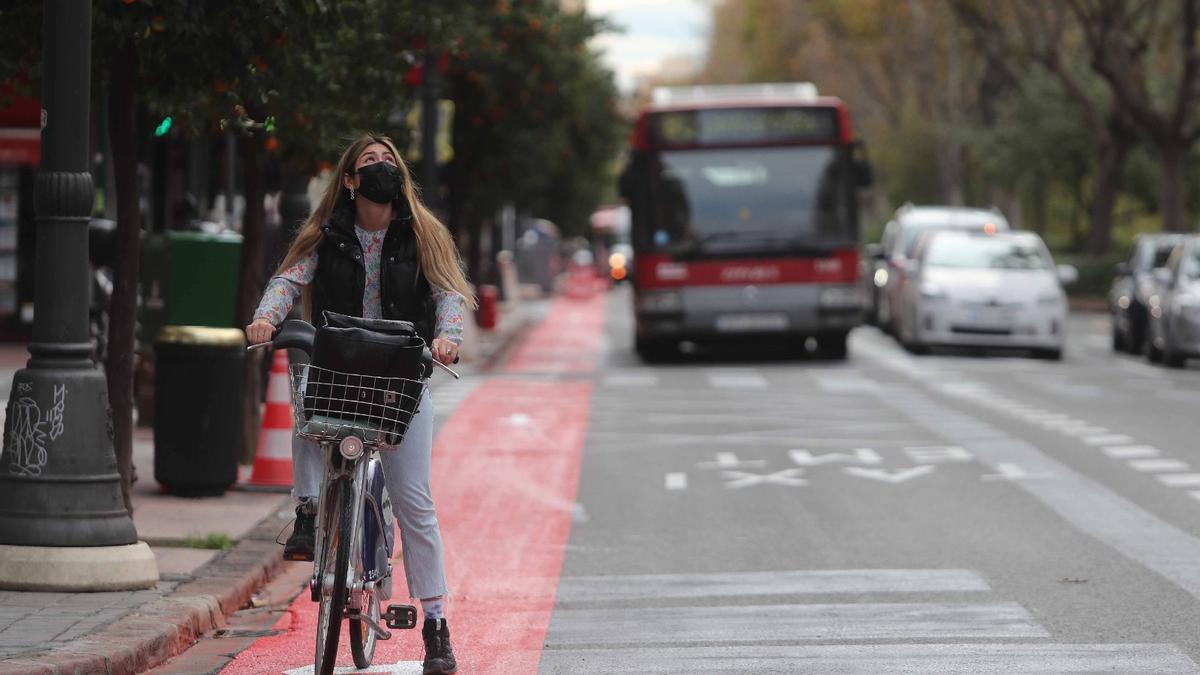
<point>505,476</point>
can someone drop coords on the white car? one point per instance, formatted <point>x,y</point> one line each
<point>894,257</point>
<point>985,290</point>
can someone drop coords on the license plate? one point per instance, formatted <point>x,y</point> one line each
<point>990,317</point>
<point>747,322</point>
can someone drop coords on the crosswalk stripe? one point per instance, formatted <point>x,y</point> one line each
<point>792,582</point>
<point>928,659</point>
<point>763,623</point>
<point>736,379</point>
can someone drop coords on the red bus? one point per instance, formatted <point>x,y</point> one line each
<point>744,218</point>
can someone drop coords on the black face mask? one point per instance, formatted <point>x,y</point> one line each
<point>380,182</point>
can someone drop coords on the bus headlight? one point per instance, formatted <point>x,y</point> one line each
<point>841,296</point>
<point>660,301</point>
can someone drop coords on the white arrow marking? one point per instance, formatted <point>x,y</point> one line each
<point>936,454</point>
<point>676,481</point>
<point>729,460</point>
<point>741,479</point>
<point>892,477</point>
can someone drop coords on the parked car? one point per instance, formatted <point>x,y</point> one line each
<point>985,290</point>
<point>900,237</point>
<point>1173,328</point>
<point>1134,284</point>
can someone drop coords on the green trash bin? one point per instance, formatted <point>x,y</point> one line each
<point>203,279</point>
<point>198,408</point>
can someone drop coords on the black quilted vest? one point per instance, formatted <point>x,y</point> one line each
<point>341,274</point>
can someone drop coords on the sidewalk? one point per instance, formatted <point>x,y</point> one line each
<point>130,632</point>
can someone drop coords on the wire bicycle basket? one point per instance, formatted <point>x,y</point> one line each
<point>329,405</point>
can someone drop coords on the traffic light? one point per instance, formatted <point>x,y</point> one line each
<point>163,127</point>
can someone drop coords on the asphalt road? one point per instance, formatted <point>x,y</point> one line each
<point>889,513</point>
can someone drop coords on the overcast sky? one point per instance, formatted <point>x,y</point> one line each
<point>653,30</point>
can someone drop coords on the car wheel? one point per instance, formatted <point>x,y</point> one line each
<point>1048,354</point>
<point>1170,357</point>
<point>1152,352</point>
<point>832,346</point>
<point>1119,343</point>
<point>655,351</point>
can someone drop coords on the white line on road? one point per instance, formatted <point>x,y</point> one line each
<point>676,481</point>
<point>1110,439</point>
<point>744,584</point>
<point>736,379</point>
<point>1131,451</point>
<point>1158,464</point>
<point>1180,479</point>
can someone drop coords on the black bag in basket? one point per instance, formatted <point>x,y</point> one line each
<point>361,361</point>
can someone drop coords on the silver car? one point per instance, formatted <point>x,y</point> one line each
<point>894,257</point>
<point>1174,327</point>
<point>985,290</point>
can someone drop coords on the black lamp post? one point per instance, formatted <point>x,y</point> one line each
<point>429,116</point>
<point>59,485</point>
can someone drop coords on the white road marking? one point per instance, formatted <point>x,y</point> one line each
<point>736,379</point>
<point>1009,471</point>
<point>1110,439</point>
<point>675,481</point>
<point>729,460</point>
<point>877,659</point>
<point>893,477</point>
<point>607,588</point>
<point>1084,431</point>
<point>1131,451</point>
<point>398,668</point>
<point>1180,479</point>
<point>1158,464</point>
<point>791,623</point>
<point>939,454</point>
<point>786,477</point>
<point>856,456</point>
<point>631,380</point>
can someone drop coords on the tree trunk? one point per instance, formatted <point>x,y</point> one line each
<point>251,279</point>
<point>1171,158</point>
<point>123,306</point>
<point>1110,165</point>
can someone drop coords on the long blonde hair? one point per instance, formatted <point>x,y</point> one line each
<point>436,252</point>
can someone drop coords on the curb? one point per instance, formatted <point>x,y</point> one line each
<point>153,633</point>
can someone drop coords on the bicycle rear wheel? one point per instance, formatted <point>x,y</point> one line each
<point>336,562</point>
<point>362,638</point>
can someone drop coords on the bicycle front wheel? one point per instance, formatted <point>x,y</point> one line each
<point>362,638</point>
<point>335,563</point>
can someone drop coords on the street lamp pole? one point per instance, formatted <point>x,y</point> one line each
<point>63,523</point>
<point>429,117</point>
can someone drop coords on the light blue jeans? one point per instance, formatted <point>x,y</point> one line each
<point>406,473</point>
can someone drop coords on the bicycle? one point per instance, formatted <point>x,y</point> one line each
<point>356,413</point>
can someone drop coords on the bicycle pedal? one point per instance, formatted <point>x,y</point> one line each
<point>400,617</point>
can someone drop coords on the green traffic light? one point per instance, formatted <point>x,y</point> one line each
<point>163,127</point>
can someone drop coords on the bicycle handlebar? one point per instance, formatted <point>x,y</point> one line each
<point>300,334</point>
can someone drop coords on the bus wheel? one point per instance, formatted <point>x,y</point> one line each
<point>832,345</point>
<point>655,351</point>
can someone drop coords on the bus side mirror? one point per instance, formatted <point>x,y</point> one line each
<point>863,174</point>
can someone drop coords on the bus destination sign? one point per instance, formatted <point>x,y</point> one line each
<point>734,126</point>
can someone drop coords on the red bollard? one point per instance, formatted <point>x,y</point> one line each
<point>489,298</point>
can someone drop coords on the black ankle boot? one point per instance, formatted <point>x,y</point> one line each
<point>300,545</point>
<point>439,657</point>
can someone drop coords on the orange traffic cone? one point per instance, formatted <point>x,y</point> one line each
<point>273,458</point>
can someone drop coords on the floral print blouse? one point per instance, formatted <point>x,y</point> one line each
<point>284,290</point>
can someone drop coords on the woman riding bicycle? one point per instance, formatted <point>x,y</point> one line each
<point>372,249</point>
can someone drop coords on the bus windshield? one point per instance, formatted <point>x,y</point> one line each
<point>743,200</point>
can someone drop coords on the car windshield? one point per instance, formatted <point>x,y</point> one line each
<point>986,253</point>
<point>1191,265</point>
<point>1154,255</point>
<point>913,232</point>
